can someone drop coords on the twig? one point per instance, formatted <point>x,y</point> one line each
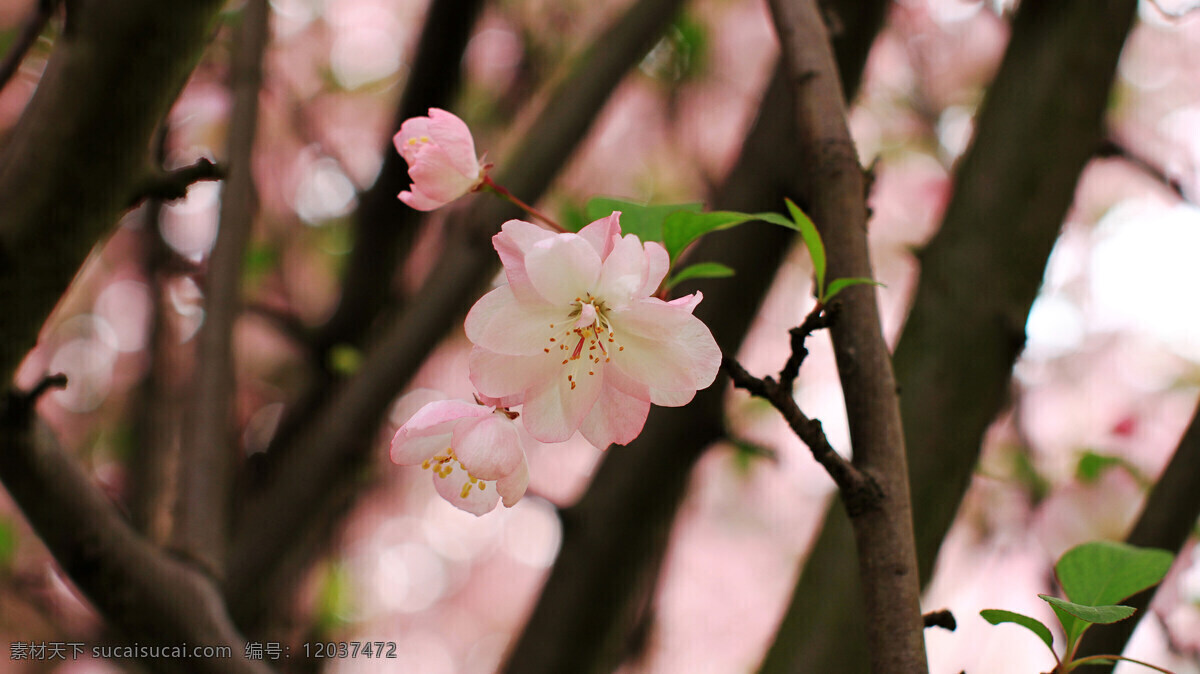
<point>30,31</point>
<point>1112,148</point>
<point>943,619</point>
<point>819,318</point>
<point>171,185</point>
<point>208,450</point>
<point>858,490</point>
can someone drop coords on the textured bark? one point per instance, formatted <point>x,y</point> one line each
<point>1167,520</point>
<point>1040,122</point>
<point>883,534</point>
<point>337,446</point>
<point>81,146</point>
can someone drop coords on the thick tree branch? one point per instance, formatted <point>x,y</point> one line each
<point>171,185</point>
<point>884,535</point>
<point>80,147</point>
<point>1167,520</point>
<point>338,443</point>
<point>209,444</point>
<point>1039,124</point>
<point>30,30</point>
<point>149,597</point>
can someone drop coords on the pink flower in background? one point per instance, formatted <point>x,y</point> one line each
<point>473,450</point>
<point>441,159</point>
<point>577,339</point>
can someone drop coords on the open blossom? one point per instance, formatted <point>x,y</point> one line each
<point>441,159</point>
<point>577,339</point>
<point>473,450</point>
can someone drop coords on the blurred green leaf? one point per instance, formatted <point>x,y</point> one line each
<point>701,270</point>
<point>345,359</point>
<point>838,285</point>
<point>335,601</point>
<point>997,616</point>
<point>8,543</point>
<point>258,262</point>
<point>683,227</point>
<point>644,221</point>
<point>812,239</point>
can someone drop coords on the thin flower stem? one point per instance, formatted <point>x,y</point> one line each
<point>1102,659</point>
<point>504,193</point>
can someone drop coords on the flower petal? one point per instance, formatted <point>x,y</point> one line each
<point>410,450</point>
<point>507,377</point>
<point>515,240</point>
<point>500,323</point>
<point>438,417</point>
<point>435,174</point>
<point>664,346</point>
<point>554,409</point>
<point>563,268</point>
<point>616,418</point>
<point>658,262</point>
<point>489,447</point>
<point>408,139</point>
<point>454,137</point>
<point>671,398</point>
<point>512,486</point>
<point>603,233</point>
<point>623,274</point>
<point>416,199</point>
<point>479,500</point>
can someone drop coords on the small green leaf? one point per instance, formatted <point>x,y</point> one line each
<point>8,543</point>
<point>838,285</point>
<point>1099,615</point>
<point>997,616</point>
<point>701,270</point>
<point>683,227</point>
<point>644,221</point>
<point>1104,572</point>
<point>812,239</point>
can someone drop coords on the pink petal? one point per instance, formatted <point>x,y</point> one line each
<point>454,137</point>
<point>477,502</point>
<point>687,302</point>
<point>489,448</point>
<point>616,418</point>
<point>563,268</point>
<point>553,410</point>
<point>507,377</point>
<point>438,416</point>
<point>515,240</point>
<point>671,398</point>
<point>500,323</point>
<point>512,486</point>
<point>603,233</point>
<point>665,346</point>
<point>413,128</point>
<point>410,450</point>
<point>417,200</point>
<point>435,175</point>
<point>624,273</point>
<point>657,264</point>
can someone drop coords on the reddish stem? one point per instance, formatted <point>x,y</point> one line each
<point>503,192</point>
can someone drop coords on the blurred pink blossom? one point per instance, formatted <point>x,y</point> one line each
<point>441,159</point>
<point>574,305</point>
<point>480,441</point>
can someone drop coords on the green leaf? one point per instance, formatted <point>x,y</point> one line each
<point>997,616</point>
<point>1099,615</point>
<point>838,285</point>
<point>701,270</point>
<point>644,221</point>
<point>683,227</point>
<point>344,359</point>
<point>1104,572</point>
<point>8,543</point>
<point>812,239</point>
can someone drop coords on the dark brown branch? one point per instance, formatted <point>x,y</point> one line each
<point>859,491</point>
<point>884,535</point>
<point>1167,520</point>
<point>209,446</point>
<point>337,443</point>
<point>817,319</point>
<point>171,185</point>
<point>148,596</point>
<point>943,619</point>
<point>30,30</point>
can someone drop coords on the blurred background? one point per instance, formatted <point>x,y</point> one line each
<point>1108,379</point>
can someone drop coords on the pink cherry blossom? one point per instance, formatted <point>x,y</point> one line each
<point>441,159</point>
<point>473,450</point>
<point>576,337</point>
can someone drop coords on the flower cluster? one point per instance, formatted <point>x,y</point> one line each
<point>577,338</point>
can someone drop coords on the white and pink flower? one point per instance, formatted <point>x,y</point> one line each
<point>577,338</point>
<point>441,159</point>
<point>473,450</point>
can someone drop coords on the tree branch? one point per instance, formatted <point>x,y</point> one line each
<point>338,443</point>
<point>209,444</point>
<point>148,596</point>
<point>30,30</point>
<point>171,185</point>
<point>1040,122</point>
<point>884,535</point>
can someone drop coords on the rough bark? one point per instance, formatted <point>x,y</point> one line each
<point>1040,122</point>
